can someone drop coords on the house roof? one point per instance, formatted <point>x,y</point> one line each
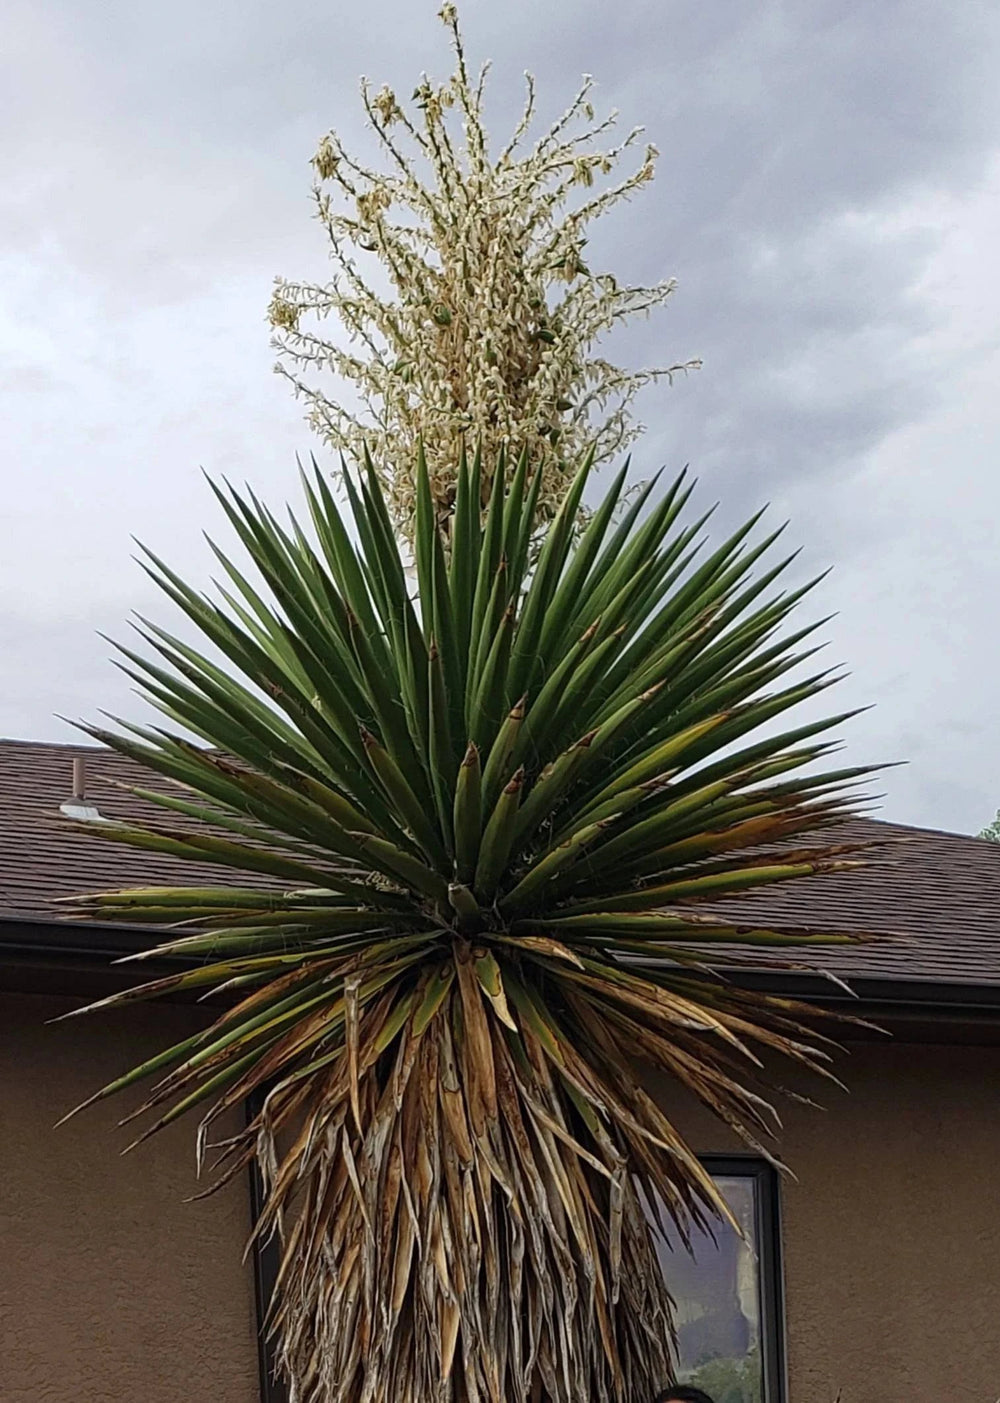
<point>935,896</point>
<point>43,858</point>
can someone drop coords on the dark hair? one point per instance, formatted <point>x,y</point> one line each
<point>683,1393</point>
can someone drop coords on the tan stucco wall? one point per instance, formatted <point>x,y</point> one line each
<point>892,1230</point>
<point>112,1290</point>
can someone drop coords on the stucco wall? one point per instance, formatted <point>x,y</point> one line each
<point>892,1230</point>
<point>112,1290</point>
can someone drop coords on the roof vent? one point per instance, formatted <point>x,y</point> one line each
<point>76,806</point>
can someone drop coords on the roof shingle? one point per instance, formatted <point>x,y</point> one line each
<point>939,891</point>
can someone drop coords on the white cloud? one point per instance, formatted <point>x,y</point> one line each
<point>915,530</point>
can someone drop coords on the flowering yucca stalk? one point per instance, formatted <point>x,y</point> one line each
<point>467,843</point>
<point>491,316</point>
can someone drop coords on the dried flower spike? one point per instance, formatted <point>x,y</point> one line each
<point>484,317</point>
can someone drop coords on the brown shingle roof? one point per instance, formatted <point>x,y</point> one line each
<point>43,858</point>
<point>935,897</point>
<point>939,891</point>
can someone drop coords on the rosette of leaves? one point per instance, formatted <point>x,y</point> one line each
<point>466,840</point>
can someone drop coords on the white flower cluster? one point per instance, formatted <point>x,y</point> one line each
<point>488,329</point>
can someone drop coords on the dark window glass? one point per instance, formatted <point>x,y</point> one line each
<point>727,1295</point>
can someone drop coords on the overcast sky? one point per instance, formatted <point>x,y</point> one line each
<point>828,199</point>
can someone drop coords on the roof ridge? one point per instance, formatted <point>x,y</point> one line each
<point>52,744</point>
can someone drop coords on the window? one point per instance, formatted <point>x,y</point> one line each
<point>728,1295</point>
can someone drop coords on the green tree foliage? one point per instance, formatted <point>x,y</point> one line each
<point>731,1380</point>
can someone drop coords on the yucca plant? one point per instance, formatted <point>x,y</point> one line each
<point>479,824</point>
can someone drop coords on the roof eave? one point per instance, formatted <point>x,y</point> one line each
<point>54,949</point>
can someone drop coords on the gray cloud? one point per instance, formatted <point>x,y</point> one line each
<point>828,198</point>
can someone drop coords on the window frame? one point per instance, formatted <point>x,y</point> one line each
<point>770,1267</point>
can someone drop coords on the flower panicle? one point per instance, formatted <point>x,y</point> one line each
<point>478,313</point>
